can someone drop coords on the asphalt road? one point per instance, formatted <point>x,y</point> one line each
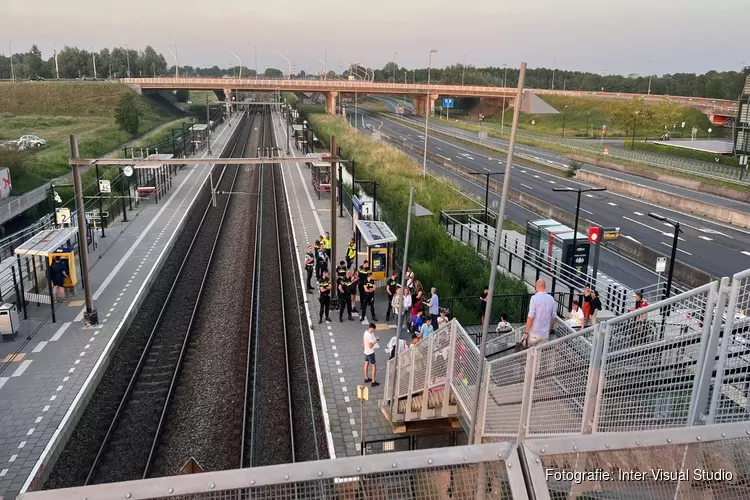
<point>712,247</point>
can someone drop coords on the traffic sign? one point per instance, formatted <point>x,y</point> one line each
<point>105,187</point>
<point>661,264</point>
<point>611,233</point>
<point>447,102</point>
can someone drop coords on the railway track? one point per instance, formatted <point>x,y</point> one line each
<point>126,451</point>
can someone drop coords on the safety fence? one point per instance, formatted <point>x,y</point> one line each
<point>531,264</point>
<point>679,362</point>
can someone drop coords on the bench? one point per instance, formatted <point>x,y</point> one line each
<point>146,192</point>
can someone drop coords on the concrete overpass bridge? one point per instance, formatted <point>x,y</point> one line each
<point>718,110</point>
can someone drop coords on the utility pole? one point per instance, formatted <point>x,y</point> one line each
<point>578,208</point>
<point>57,68</point>
<point>496,250</point>
<point>675,241</point>
<point>487,189</point>
<point>127,57</point>
<point>90,316</point>
<point>93,57</point>
<point>10,55</point>
<point>334,219</point>
<point>427,111</point>
<point>208,127</point>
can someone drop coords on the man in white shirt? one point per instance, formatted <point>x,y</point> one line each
<point>542,317</point>
<point>576,317</point>
<point>369,342</point>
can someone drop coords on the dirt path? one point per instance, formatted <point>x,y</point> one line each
<point>151,132</point>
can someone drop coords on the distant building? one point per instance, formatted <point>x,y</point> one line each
<point>742,136</point>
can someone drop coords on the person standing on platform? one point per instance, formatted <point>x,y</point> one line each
<point>353,291</point>
<point>345,289</point>
<point>390,287</point>
<point>324,286</point>
<point>309,263</point>
<point>368,298</point>
<point>340,272</point>
<point>541,319</point>
<point>363,271</point>
<point>434,306</point>
<point>483,302</point>
<point>58,273</point>
<point>351,253</point>
<point>323,258</point>
<point>327,244</point>
<point>370,342</point>
<point>317,246</point>
<point>406,304</point>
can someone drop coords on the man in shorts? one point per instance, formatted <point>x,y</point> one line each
<point>369,342</point>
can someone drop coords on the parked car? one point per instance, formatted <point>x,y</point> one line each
<point>36,78</point>
<point>88,78</point>
<point>33,141</point>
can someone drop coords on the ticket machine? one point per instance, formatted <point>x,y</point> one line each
<point>378,239</point>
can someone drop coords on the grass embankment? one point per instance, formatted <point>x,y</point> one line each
<point>684,153</point>
<point>162,139</point>
<point>590,113</point>
<point>372,105</point>
<point>454,269</point>
<point>52,111</point>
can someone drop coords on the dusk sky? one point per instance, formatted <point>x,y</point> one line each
<point>592,35</point>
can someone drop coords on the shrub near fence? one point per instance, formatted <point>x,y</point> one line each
<point>454,269</point>
<point>684,153</point>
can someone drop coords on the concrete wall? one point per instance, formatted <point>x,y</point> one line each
<point>645,256</point>
<point>703,187</point>
<point>662,198</point>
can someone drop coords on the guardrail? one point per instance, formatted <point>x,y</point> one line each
<point>20,204</point>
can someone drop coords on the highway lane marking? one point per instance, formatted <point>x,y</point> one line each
<point>438,148</point>
<point>487,169</point>
<point>551,182</point>
<point>638,214</point>
<point>743,252</point>
<point>444,157</point>
<point>705,238</point>
<point>584,210</point>
<point>40,346</point>
<point>642,224</point>
<point>712,231</point>
<point>590,195</point>
<point>671,235</point>
<point>523,171</point>
<point>612,204</point>
<point>527,187</point>
<point>536,177</point>
<point>679,249</point>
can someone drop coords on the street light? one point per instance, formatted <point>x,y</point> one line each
<point>240,61</point>
<point>675,240</point>
<point>502,115</point>
<point>176,62</point>
<point>127,56</point>
<point>418,211</point>
<point>427,113</point>
<point>650,73</point>
<point>10,53</point>
<point>289,74</point>
<point>635,120</point>
<point>325,66</point>
<point>394,66</point>
<point>486,189</point>
<point>709,133</point>
<point>93,58</point>
<point>554,66</point>
<point>565,109</point>
<point>588,116</point>
<point>578,208</point>
<point>463,70</point>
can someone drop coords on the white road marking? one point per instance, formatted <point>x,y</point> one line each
<point>487,169</point>
<point>743,252</point>
<point>527,187</point>
<point>24,365</point>
<point>551,182</point>
<point>589,195</point>
<point>584,210</point>
<point>60,331</point>
<point>3,380</point>
<point>642,224</point>
<point>40,346</point>
<point>679,249</point>
<point>671,235</point>
<point>638,214</point>
<point>612,204</point>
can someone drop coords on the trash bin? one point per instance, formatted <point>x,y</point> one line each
<point>8,320</point>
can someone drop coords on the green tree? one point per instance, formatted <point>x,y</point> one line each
<point>273,72</point>
<point>127,115</point>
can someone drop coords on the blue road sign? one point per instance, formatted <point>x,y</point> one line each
<point>447,102</point>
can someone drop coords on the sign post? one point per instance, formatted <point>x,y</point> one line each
<point>363,394</point>
<point>447,104</point>
<point>661,266</point>
<point>606,234</point>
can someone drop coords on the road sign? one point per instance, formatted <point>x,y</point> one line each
<point>661,264</point>
<point>127,170</point>
<point>448,102</point>
<point>611,233</point>
<point>399,110</point>
<point>105,187</point>
<point>97,215</point>
<point>62,216</point>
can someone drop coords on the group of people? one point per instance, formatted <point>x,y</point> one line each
<point>584,310</point>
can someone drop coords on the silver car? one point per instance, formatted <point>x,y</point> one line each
<point>33,141</point>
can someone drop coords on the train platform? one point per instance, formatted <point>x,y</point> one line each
<point>339,350</point>
<point>50,370</point>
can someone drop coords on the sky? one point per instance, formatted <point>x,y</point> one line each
<point>600,36</point>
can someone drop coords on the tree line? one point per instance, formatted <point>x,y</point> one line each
<point>118,62</point>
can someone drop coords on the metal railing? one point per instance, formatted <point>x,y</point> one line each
<point>18,205</point>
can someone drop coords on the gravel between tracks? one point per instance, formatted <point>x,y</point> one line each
<point>78,455</point>
<point>204,419</point>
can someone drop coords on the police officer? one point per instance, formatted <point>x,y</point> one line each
<point>323,261</point>
<point>363,271</point>
<point>351,253</point>
<point>353,290</point>
<point>390,287</point>
<point>327,244</point>
<point>368,298</point>
<point>345,290</point>
<point>324,286</point>
<point>317,246</point>
<point>309,263</point>
<point>340,272</point>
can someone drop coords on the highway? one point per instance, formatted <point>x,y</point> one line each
<point>712,247</point>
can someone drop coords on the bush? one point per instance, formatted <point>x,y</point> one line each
<point>573,169</point>
<point>127,115</point>
<point>439,261</point>
<point>684,153</point>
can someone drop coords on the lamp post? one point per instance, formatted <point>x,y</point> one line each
<point>588,116</point>
<point>238,59</point>
<point>127,57</point>
<point>427,113</point>
<point>486,189</point>
<point>675,240</point>
<point>325,70</point>
<point>554,66</point>
<point>650,73</point>
<point>57,67</point>
<point>565,109</point>
<point>578,208</point>
<point>176,62</point>
<point>709,133</point>
<point>502,115</point>
<point>10,55</point>
<point>394,66</point>
<point>463,70</point>
<point>635,120</point>
<point>93,58</point>
<point>289,73</point>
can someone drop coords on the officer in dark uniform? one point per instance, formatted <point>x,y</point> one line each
<point>340,272</point>
<point>390,288</point>
<point>345,290</point>
<point>324,286</point>
<point>309,263</point>
<point>323,259</point>
<point>363,271</point>
<point>351,253</point>
<point>316,248</point>
<point>368,299</point>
